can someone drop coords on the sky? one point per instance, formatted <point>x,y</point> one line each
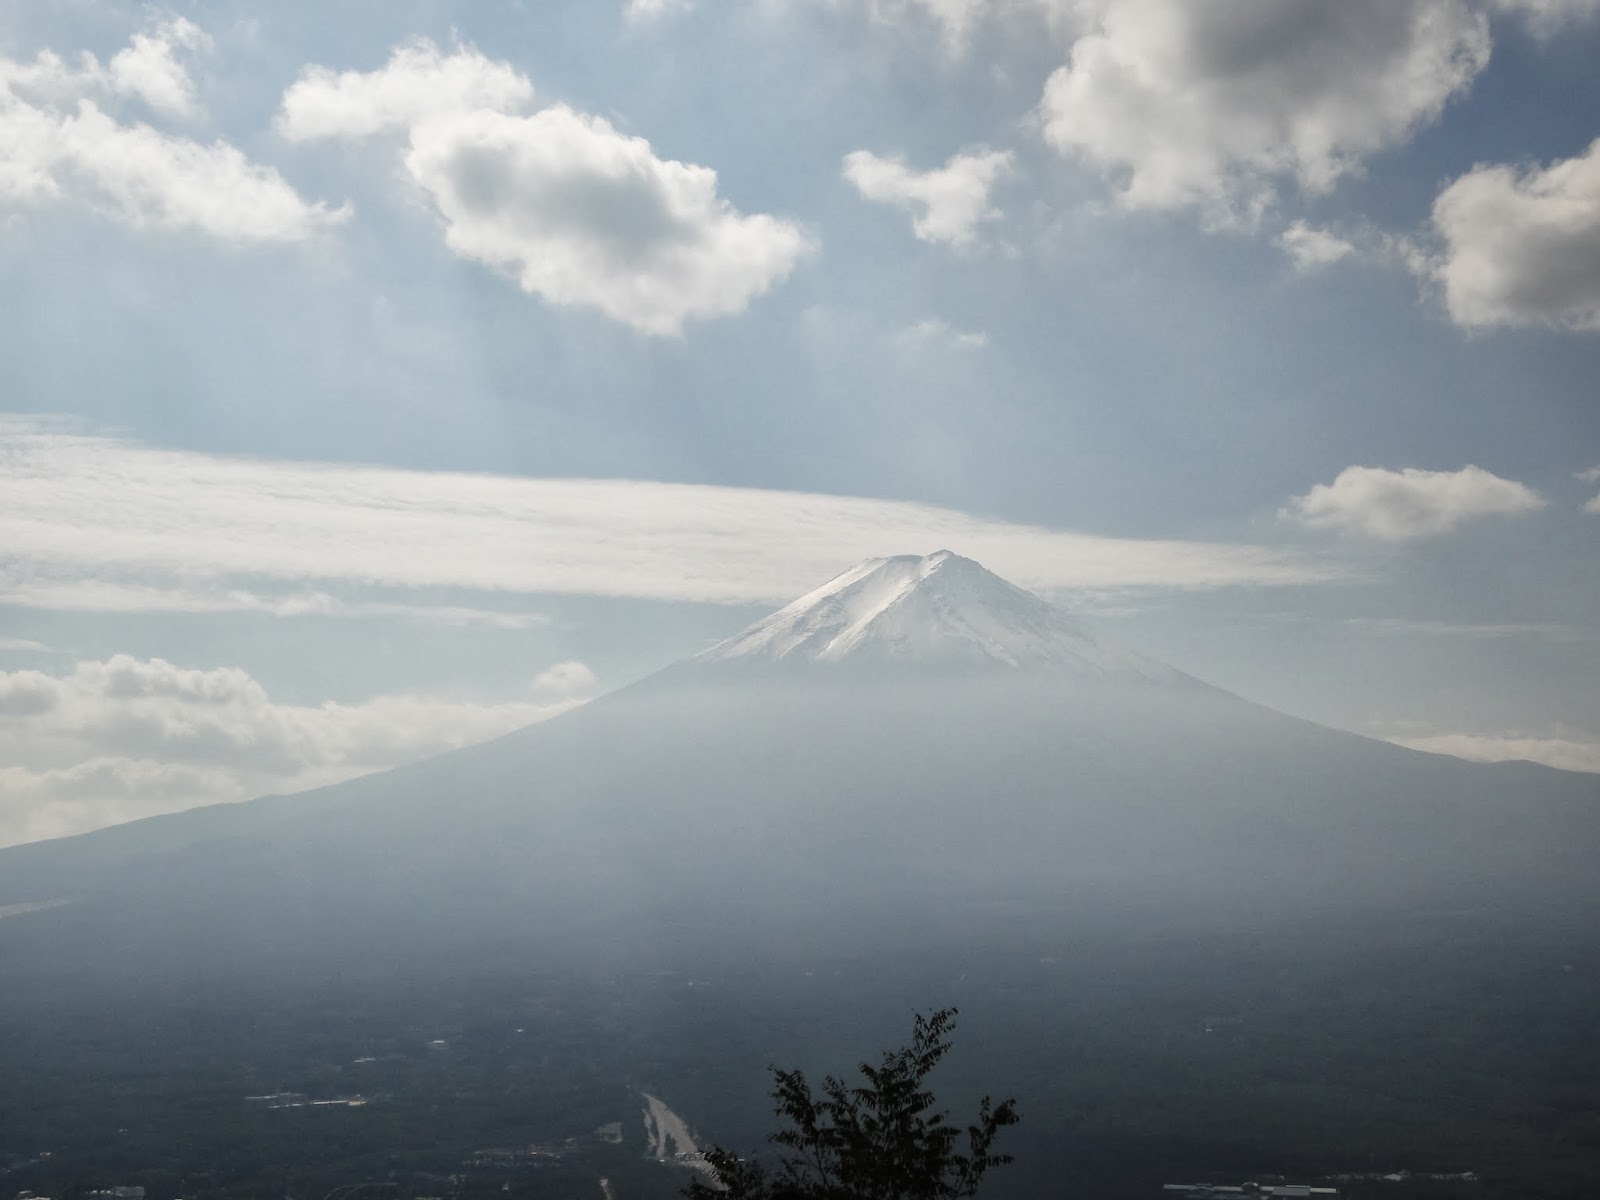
<point>381,377</point>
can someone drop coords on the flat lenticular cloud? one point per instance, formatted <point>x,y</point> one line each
<point>577,212</point>
<point>1398,506</point>
<point>78,510</point>
<point>74,593</point>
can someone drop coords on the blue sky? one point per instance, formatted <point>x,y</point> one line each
<point>378,379</point>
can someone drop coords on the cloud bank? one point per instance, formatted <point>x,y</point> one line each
<point>1566,753</point>
<point>120,738</point>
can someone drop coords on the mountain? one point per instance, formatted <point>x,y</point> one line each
<point>933,611</point>
<point>915,731</point>
<point>1197,935</point>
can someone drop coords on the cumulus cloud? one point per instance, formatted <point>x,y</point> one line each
<point>1311,249</point>
<point>148,67</point>
<point>581,214</point>
<point>100,510</point>
<point>1522,247</point>
<point>1397,506</point>
<point>122,737</point>
<point>419,81</point>
<point>1215,106</point>
<point>574,210</point>
<point>58,144</point>
<point>947,204</point>
<point>1566,753</point>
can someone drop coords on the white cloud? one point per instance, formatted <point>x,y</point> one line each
<point>61,801</point>
<point>574,210</point>
<point>648,10</point>
<point>99,510</point>
<point>1396,506</point>
<point>581,214</point>
<point>1311,249</point>
<point>110,740</point>
<point>1473,630</point>
<point>947,204</point>
<point>1523,247</point>
<point>418,81</point>
<point>1214,106</point>
<point>1565,753</point>
<point>11,645</point>
<point>149,68</point>
<point>1549,17</point>
<point>36,590</point>
<point>935,332</point>
<point>58,145</point>
<point>956,23</point>
<point>953,19</point>
<point>1592,475</point>
<point>566,679</point>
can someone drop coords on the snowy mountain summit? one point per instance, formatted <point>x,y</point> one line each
<point>941,609</point>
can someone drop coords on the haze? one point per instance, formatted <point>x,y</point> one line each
<point>553,556</point>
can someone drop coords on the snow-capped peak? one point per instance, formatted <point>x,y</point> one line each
<point>938,609</point>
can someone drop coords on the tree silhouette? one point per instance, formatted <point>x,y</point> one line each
<point>880,1140</point>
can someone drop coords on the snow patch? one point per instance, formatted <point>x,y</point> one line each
<point>669,1137</point>
<point>940,608</point>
